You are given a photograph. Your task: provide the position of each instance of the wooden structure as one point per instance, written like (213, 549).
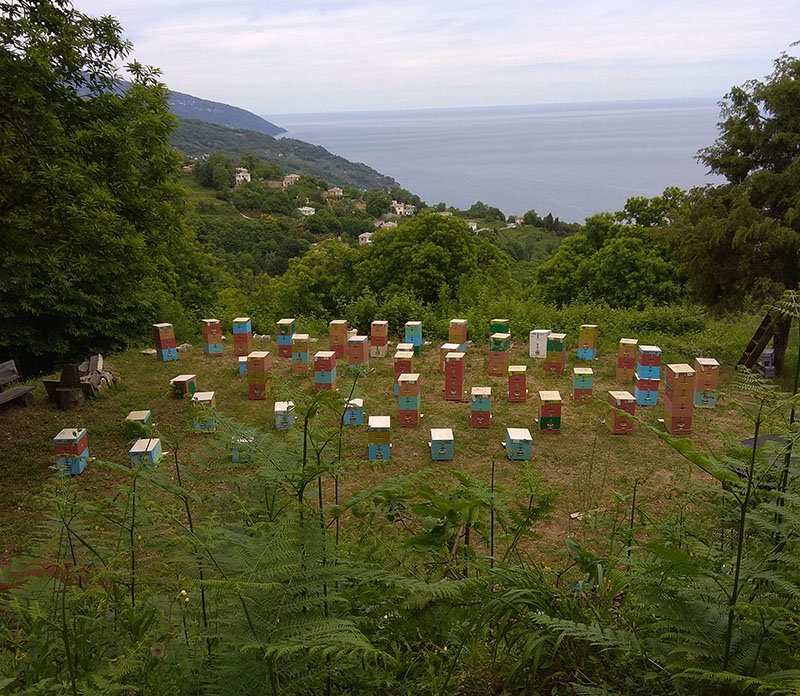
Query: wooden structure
(772, 328)
(10, 393)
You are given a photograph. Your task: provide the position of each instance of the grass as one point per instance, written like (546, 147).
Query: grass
(585, 464)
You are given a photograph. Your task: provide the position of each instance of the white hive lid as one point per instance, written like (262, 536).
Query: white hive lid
(300, 337)
(203, 397)
(404, 354)
(481, 391)
(582, 371)
(621, 396)
(500, 336)
(441, 433)
(408, 377)
(549, 396)
(629, 341)
(518, 434)
(138, 415)
(323, 354)
(413, 324)
(557, 336)
(449, 347)
(541, 331)
(182, 378)
(284, 406)
(380, 422)
(356, 403)
(69, 434)
(518, 369)
(241, 320)
(681, 369)
(649, 349)
(455, 355)
(707, 362)
(258, 354)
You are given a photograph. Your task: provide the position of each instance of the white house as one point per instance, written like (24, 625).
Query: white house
(334, 192)
(365, 238)
(307, 210)
(241, 176)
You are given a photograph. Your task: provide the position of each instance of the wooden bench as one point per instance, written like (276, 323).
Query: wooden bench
(8, 393)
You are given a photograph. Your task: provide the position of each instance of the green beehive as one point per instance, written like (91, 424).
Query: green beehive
(138, 424)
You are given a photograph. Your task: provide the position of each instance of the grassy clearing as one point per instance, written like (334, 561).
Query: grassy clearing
(585, 464)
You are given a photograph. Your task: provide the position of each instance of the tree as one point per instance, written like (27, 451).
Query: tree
(95, 244)
(746, 234)
(429, 252)
(215, 171)
(378, 202)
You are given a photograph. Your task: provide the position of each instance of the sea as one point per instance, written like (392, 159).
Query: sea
(571, 160)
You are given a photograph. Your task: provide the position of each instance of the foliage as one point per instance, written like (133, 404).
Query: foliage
(378, 202)
(95, 241)
(621, 265)
(751, 226)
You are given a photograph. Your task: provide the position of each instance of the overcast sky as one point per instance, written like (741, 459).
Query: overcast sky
(290, 56)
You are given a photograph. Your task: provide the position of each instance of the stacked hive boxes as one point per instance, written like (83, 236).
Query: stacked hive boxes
(324, 370)
(444, 350)
(212, 336)
(378, 438)
(337, 337)
(413, 335)
(286, 328)
(556, 358)
(679, 398)
(242, 336)
(378, 339)
(518, 444)
(300, 342)
(164, 337)
(183, 386)
(72, 450)
(499, 352)
(408, 399)
(403, 362)
(442, 444)
(454, 376)
(537, 343)
(358, 353)
(582, 378)
(587, 342)
(550, 412)
(146, 451)
(648, 374)
(284, 415)
(354, 412)
(480, 415)
(138, 424)
(624, 403)
(517, 384)
(259, 363)
(626, 359)
(706, 382)
(457, 333)
(405, 347)
(205, 421)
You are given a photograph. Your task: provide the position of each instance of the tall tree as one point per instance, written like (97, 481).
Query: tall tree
(742, 240)
(94, 239)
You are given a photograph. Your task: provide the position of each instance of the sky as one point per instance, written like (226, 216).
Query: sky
(310, 56)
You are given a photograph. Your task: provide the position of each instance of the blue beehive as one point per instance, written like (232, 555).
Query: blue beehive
(325, 376)
(242, 450)
(408, 403)
(167, 354)
(145, 451)
(706, 399)
(242, 325)
(284, 415)
(645, 397)
(518, 444)
(442, 444)
(212, 348)
(354, 412)
(582, 377)
(587, 353)
(242, 366)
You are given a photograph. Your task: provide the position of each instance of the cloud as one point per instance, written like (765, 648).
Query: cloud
(368, 54)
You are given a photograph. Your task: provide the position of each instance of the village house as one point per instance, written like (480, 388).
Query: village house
(306, 210)
(241, 176)
(290, 179)
(334, 192)
(403, 209)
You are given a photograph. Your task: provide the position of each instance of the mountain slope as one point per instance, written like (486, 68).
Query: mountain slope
(190, 107)
(198, 138)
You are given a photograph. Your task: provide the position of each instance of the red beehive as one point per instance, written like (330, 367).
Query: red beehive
(624, 405)
(517, 384)
(454, 376)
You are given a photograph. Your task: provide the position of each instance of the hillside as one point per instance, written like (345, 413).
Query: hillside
(197, 138)
(186, 106)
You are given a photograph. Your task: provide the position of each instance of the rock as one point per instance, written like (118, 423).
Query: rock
(183, 347)
(148, 351)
